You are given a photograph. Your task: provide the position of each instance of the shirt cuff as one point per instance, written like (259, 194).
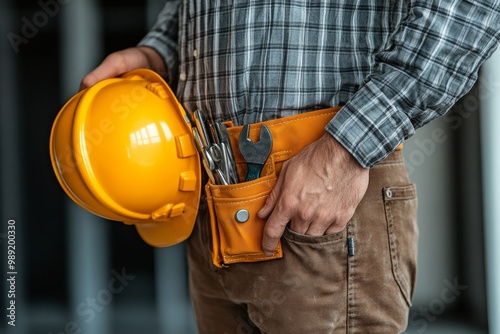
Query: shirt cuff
(369, 126)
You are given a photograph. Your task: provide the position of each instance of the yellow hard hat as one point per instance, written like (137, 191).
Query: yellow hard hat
(123, 150)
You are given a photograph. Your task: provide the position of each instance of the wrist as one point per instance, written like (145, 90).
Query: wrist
(154, 59)
(337, 151)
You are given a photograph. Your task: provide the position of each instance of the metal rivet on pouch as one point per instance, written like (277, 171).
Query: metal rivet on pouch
(388, 193)
(241, 216)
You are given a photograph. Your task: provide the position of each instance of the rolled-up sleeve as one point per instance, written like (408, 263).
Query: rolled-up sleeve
(163, 36)
(429, 63)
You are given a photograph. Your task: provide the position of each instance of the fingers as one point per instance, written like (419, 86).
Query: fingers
(97, 75)
(273, 230)
(112, 66)
(275, 225)
(268, 207)
(335, 228)
(120, 62)
(317, 193)
(301, 220)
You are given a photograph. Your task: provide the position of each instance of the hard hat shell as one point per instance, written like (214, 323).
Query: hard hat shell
(123, 150)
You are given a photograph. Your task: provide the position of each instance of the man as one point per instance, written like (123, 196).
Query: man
(343, 206)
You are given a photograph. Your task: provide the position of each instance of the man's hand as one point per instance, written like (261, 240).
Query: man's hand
(317, 192)
(123, 61)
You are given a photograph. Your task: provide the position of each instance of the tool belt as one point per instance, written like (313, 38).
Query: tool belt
(236, 230)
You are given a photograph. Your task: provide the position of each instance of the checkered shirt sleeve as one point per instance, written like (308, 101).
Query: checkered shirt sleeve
(393, 65)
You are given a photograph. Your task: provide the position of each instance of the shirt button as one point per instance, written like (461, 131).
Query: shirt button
(183, 76)
(195, 53)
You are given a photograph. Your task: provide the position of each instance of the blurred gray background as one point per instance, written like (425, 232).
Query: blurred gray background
(77, 273)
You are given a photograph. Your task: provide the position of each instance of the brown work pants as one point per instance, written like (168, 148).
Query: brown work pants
(325, 284)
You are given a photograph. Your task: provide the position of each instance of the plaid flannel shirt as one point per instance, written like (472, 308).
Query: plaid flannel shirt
(394, 65)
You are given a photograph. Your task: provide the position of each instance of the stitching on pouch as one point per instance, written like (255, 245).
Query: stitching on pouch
(220, 190)
(253, 256)
(235, 259)
(280, 154)
(285, 121)
(238, 202)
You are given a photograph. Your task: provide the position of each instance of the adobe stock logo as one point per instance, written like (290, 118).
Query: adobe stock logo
(30, 28)
(90, 308)
(420, 318)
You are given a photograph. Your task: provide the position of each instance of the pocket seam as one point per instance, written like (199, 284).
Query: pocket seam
(294, 237)
(405, 193)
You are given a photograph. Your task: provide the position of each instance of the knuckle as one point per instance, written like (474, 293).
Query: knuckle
(88, 80)
(348, 215)
(119, 61)
(325, 214)
(343, 219)
(272, 233)
(115, 57)
(288, 204)
(304, 214)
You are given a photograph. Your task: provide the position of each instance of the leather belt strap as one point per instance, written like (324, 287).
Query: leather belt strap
(290, 134)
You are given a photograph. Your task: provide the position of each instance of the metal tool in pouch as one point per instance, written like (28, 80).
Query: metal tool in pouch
(212, 141)
(214, 146)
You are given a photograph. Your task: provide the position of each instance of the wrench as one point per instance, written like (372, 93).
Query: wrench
(255, 153)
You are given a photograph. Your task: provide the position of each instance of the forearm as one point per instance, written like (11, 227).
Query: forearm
(163, 36)
(431, 61)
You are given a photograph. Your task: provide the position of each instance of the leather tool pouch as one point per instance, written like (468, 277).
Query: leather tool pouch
(236, 229)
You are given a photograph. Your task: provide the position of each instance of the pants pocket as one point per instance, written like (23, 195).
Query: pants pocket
(236, 230)
(400, 205)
